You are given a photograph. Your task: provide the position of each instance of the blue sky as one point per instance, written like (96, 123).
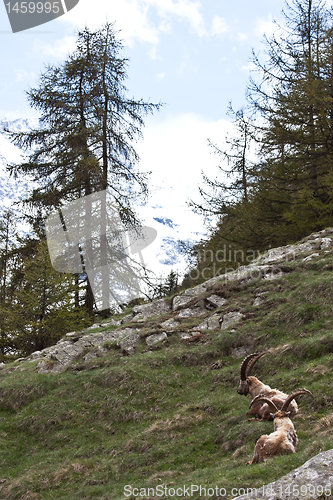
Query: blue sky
(192, 55)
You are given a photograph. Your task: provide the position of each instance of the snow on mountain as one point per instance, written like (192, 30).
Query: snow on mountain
(164, 211)
(11, 189)
(165, 221)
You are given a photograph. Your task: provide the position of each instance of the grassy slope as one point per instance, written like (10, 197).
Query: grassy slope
(173, 416)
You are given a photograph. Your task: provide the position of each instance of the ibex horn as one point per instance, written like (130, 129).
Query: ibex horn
(265, 400)
(292, 396)
(246, 367)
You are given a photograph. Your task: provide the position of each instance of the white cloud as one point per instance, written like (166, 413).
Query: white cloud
(185, 9)
(242, 37)
(250, 66)
(21, 75)
(175, 150)
(132, 17)
(219, 26)
(265, 26)
(61, 48)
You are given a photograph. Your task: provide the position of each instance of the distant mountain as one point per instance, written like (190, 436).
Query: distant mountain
(165, 221)
(162, 256)
(11, 189)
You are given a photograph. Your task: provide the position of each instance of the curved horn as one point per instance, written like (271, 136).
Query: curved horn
(292, 396)
(246, 367)
(265, 400)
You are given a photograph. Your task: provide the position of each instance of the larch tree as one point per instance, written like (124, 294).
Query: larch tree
(88, 127)
(293, 98)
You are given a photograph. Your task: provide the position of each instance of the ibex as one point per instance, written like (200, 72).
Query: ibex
(251, 385)
(284, 438)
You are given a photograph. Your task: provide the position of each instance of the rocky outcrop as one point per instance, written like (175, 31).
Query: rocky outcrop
(313, 480)
(230, 319)
(158, 307)
(206, 310)
(56, 358)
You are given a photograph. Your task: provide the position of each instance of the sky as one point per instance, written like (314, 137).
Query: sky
(192, 55)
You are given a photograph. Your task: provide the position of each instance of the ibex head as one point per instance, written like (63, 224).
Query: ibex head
(245, 370)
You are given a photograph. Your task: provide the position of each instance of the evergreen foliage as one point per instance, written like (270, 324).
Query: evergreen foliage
(286, 193)
(85, 144)
(88, 125)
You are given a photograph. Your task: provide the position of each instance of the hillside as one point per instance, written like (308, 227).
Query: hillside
(149, 398)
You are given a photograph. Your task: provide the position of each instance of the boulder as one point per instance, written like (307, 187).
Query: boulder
(126, 319)
(326, 243)
(186, 297)
(156, 338)
(186, 335)
(66, 351)
(310, 257)
(258, 301)
(216, 301)
(111, 322)
(230, 319)
(312, 480)
(152, 309)
(169, 324)
(211, 323)
(191, 312)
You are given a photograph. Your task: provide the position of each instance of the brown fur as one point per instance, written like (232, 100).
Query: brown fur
(259, 409)
(282, 440)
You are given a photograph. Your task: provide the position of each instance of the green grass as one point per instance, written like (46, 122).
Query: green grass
(171, 416)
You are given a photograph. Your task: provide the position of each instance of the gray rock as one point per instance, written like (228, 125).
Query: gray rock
(128, 340)
(126, 319)
(186, 297)
(90, 355)
(211, 323)
(289, 252)
(154, 308)
(73, 336)
(230, 319)
(95, 325)
(156, 338)
(111, 322)
(310, 257)
(187, 335)
(307, 482)
(35, 355)
(169, 324)
(66, 352)
(191, 313)
(216, 300)
(326, 243)
(258, 301)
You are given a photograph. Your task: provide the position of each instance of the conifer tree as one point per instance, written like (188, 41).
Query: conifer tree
(88, 124)
(290, 190)
(42, 305)
(88, 127)
(237, 172)
(293, 99)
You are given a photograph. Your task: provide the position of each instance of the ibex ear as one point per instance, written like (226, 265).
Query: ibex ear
(288, 413)
(249, 381)
(272, 415)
